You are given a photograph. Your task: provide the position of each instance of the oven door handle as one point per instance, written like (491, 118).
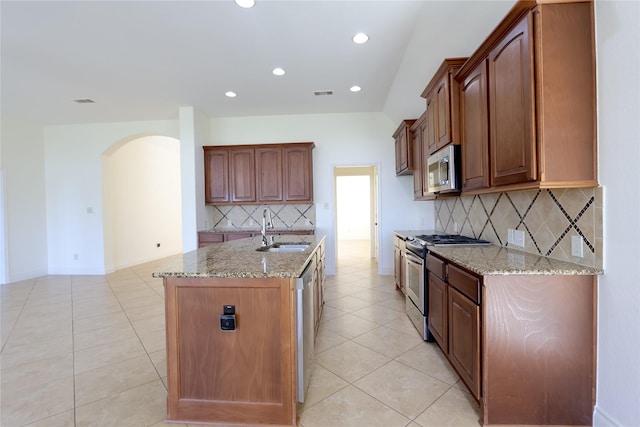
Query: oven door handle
(414, 259)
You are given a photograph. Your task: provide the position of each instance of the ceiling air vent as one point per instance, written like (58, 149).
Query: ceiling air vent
(323, 92)
(84, 101)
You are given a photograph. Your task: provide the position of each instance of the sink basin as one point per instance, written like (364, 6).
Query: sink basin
(284, 247)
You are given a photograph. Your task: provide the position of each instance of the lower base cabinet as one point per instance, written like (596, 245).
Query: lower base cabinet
(524, 345)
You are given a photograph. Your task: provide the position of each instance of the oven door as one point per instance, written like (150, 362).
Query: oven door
(414, 279)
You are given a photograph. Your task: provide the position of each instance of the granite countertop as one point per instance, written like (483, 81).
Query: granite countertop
(239, 258)
(256, 229)
(498, 260)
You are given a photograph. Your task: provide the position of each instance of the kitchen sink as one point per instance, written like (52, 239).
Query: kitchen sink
(284, 247)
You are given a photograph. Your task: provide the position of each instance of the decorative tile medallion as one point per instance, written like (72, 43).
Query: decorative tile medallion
(548, 218)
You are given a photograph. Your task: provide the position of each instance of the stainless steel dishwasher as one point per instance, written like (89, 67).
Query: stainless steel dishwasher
(304, 329)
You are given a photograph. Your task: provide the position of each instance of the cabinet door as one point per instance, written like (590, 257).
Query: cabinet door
(242, 178)
(298, 174)
(511, 106)
(397, 274)
(443, 113)
(431, 128)
(216, 176)
(475, 129)
(269, 174)
(419, 164)
(464, 339)
(438, 311)
(402, 154)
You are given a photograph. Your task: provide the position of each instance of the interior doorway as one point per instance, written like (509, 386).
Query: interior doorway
(356, 212)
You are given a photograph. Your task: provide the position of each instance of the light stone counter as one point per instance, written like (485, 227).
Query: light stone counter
(498, 260)
(239, 258)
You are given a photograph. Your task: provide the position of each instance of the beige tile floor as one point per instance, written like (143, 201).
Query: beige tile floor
(90, 351)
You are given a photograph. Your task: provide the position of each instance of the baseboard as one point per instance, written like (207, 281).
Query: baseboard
(601, 419)
(12, 278)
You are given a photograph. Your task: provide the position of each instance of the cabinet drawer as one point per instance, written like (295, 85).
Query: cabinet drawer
(436, 266)
(211, 237)
(464, 282)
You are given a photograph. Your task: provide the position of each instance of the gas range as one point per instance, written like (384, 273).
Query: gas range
(419, 244)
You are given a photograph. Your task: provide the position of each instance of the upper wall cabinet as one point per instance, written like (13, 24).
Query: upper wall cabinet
(442, 113)
(269, 173)
(405, 161)
(528, 104)
(298, 173)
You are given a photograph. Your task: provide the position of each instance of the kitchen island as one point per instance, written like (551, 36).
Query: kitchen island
(231, 330)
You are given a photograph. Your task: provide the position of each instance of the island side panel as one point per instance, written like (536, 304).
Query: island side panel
(245, 376)
(539, 339)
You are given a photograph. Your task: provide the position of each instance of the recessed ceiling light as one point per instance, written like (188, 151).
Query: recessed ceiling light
(84, 101)
(278, 71)
(231, 94)
(355, 88)
(360, 38)
(245, 3)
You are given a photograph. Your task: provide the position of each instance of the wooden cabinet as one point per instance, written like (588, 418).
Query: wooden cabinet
(540, 97)
(404, 153)
(208, 238)
(319, 286)
(524, 345)
(242, 175)
(438, 311)
(398, 263)
(216, 175)
(464, 326)
(511, 106)
(269, 174)
(243, 376)
(454, 318)
(474, 129)
(442, 112)
(419, 160)
(250, 174)
(298, 173)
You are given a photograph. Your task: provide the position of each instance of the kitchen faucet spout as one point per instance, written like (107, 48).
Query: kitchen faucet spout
(267, 224)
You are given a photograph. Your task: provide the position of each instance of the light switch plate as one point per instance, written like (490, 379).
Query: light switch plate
(510, 238)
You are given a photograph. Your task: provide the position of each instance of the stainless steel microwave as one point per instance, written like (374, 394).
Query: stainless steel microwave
(444, 170)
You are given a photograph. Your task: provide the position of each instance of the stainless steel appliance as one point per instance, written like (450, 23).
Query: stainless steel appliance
(304, 330)
(416, 275)
(443, 168)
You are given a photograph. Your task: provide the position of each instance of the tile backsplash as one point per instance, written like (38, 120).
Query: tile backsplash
(548, 217)
(241, 217)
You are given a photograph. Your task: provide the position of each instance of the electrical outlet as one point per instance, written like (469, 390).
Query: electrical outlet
(577, 247)
(250, 221)
(229, 223)
(518, 238)
(455, 226)
(307, 221)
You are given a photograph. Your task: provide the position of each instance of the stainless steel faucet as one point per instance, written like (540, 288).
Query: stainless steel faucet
(267, 224)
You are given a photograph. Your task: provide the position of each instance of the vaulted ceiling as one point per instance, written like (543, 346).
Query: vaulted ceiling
(142, 60)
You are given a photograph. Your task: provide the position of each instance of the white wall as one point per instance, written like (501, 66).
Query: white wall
(74, 210)
(22, 164)
(618, 373)
(141, 181)
(357, 139)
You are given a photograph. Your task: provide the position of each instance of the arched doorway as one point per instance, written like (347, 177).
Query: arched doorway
(141, 201)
